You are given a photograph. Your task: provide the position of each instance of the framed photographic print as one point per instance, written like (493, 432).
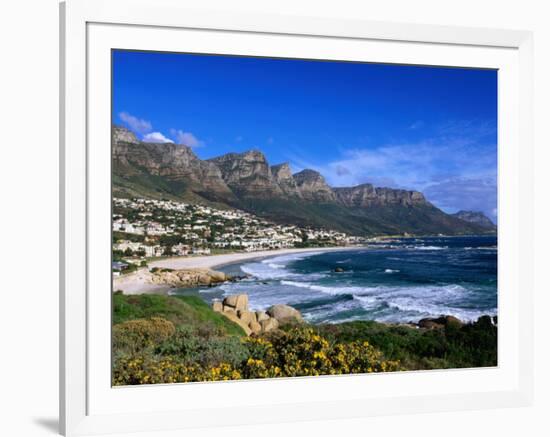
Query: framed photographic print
(293, 217)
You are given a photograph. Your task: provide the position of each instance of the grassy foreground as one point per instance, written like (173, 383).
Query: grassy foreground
(165, 339)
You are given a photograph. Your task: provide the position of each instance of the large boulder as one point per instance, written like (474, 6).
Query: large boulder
(269, 324)
(217, 306)
(216, 276)
(261, 315)
(284, 313)
(440, 322)
(227, 309)
(255, 327)
(453, 321)
(233, 317)
(247, 316)
(237, 301)
(204, 279)
(430, 324)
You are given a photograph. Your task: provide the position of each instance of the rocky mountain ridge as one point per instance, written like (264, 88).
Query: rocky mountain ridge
(247, 181)
(476, 217)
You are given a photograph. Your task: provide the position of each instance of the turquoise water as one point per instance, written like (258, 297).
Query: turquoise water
(399, 281)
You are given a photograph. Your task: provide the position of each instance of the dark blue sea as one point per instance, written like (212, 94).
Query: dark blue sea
(401, 280)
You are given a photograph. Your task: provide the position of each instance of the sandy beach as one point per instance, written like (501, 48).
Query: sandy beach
(212, 261)
(139, 282)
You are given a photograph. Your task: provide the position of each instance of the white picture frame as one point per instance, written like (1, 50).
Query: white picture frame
(90, 29)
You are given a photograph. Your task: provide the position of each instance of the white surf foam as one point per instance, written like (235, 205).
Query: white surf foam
(430, 247)
(276, 268)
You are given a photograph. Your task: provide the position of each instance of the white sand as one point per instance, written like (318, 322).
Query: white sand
(212, 261)
(139, 282)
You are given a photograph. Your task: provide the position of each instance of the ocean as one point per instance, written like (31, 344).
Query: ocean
(397, 281)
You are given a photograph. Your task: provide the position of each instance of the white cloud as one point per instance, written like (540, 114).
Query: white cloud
(185, 138)
(156, 137)
(464, 194)
(456, 169)
(416, 125)
(138, 125)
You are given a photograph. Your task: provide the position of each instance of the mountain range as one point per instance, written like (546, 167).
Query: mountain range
(476, 217)
(248, 182)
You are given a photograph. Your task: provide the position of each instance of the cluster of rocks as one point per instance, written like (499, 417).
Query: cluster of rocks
(445, 321)
(235, 308)
(188, 277)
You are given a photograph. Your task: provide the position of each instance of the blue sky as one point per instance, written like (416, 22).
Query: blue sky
(425, 128)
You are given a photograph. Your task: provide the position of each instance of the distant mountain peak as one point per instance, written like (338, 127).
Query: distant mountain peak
(247, 154)
(476, 217)
(282, 174)
(123, 134)
(313, 186)
(366, 195)
(283, 166)
(308, 173)
(248, 173)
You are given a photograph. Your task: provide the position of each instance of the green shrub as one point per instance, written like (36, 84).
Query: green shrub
(135, 335)
(471, 345)
(189, 347)
(189, 311)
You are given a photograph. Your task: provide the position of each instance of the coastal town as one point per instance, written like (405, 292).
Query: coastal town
(147, 229)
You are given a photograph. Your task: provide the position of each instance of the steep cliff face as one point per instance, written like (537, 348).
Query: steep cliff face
(174, 163)
(283, 177)
(476, 217)
(123, 135)
(247, 174)
(313, 186)
(366, 195)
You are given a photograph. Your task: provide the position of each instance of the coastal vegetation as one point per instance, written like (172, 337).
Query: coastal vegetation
(164, 339)
(452, 346)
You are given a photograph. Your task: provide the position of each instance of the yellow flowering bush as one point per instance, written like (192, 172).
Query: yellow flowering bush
(303, 352)
(154, 370)
(299, 351)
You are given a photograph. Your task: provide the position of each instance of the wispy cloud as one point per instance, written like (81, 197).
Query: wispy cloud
(416, 125)
(145, 129)
(186, 138)
(156, 137)
(138, 125)
(456, 167)
(462, 193)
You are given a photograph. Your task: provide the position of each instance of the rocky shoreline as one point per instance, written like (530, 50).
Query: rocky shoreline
(235, 308)
(198, 271)
(161, 280)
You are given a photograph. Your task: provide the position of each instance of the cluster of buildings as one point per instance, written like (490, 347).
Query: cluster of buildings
(153, 228)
